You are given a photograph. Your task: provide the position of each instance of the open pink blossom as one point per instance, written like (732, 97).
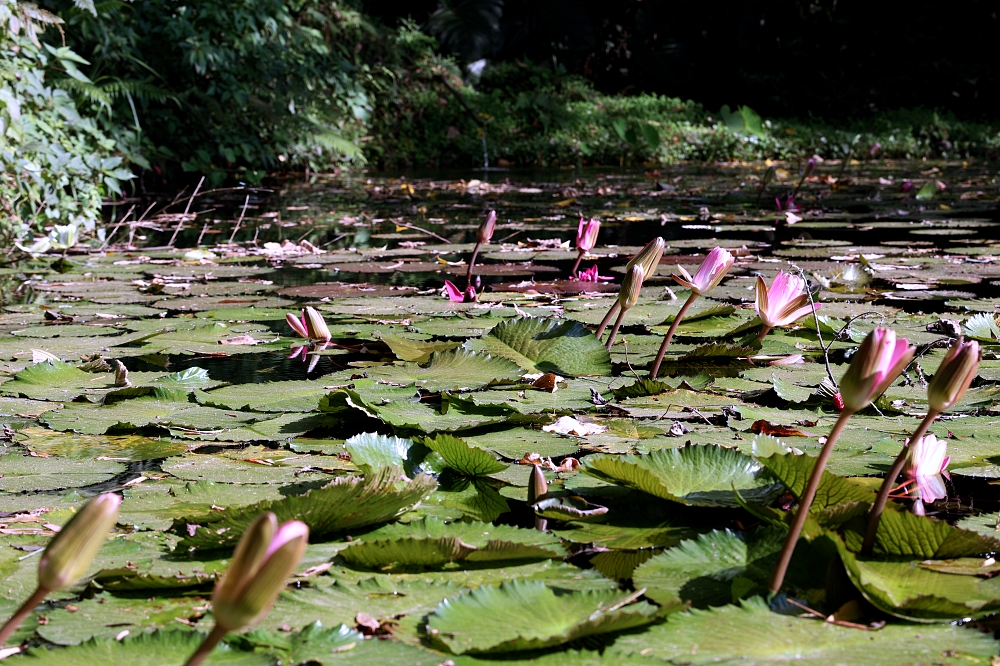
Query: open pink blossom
(875, 365)
(784, 302)
(926, 461)
(455, 295)
(586, 234)
(710, 273)
(591, 275)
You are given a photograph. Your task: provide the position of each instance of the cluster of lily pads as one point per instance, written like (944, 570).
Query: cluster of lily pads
(498, 477)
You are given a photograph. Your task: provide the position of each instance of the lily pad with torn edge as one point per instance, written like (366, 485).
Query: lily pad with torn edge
(345, 503)
(566, 348)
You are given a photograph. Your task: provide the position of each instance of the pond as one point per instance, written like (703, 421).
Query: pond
(412, 437)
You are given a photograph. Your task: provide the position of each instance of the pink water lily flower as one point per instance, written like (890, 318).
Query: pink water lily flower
(926, 461)
(455, 295)
(586, 234)
(788, 204)
(876, 364)
(784, 303)
(710, 273)
(591, 275)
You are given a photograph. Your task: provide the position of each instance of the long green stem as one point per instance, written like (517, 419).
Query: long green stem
(670, 334)
(763, 333)
(24, 611)
(614, 329)
(607, 319)
(207, 645)
(576, 264)
(472, 264)
(875, 512)
(778, 577)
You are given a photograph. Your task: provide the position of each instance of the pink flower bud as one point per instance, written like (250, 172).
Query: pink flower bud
(586, 234)
(784, 303)
(631, 287)
(648, 257)
(69, 554)
(263, 560)
(486, 229)
(316, 328)
(456, 295)
(876, 364)
(954, 375)
(710, 273)
(298, 325)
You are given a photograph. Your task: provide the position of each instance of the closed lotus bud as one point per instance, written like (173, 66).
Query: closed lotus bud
(316, 327)
(263, 560)
(538, 487)
(486, 229)
(810, 167)
(954, 375)
(298, 324)
(69, 554)
(875, 365)
(628, 295)
(586, 234)
(648, 257)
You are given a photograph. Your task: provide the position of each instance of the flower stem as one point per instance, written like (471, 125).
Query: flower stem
(875, 512)
(576, 264)
(207, 645)
(614, 329)
(805, 501)
(472, 264)
(607, 319)
(24, 611)
(763, 333)
(670, 334)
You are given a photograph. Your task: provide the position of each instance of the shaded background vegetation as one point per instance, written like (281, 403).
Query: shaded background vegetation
(146, 95)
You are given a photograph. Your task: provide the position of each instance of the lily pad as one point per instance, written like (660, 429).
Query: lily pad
(565, 348)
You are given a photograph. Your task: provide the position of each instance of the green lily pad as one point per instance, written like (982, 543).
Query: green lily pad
(693, 475)
(565, 348)
(465, 459)
(142, 649)
(530, 615)
(450, 370)
(28, 473)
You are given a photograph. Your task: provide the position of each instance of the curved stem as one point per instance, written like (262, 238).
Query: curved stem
(472, 264)
(207, 645)
(24, 611)
(875, 512)
(670, 334)
(607, 319)
(763, 333)
(614, 329)
(576, 264)
(778, 577)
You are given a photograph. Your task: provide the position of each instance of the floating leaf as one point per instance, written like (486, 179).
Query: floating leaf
(529, 616)
(345, 503)
(463, 458)
(417, 351)
(142, 649)
(565, 348)
(695, 475)
(450, 370)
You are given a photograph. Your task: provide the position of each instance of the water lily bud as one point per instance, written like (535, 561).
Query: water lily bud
(298, 325)
(810, 167)
(69, 554)
(316, 326)
(785, 302)
(954, 375)
(485, 232)
(628, 295)
(538, 487)
(648, 257)
(875, 365)
(263, 560)
(710, 273)
(586, 234)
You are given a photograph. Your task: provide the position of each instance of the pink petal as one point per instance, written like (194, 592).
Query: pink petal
(455, 294)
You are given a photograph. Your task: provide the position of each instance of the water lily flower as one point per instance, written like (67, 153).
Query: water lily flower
(715, 267)
(906, 185)
(710, 273)
(648, 258)
(788, 205)
(586, 238)
(875, 365)
(591, 275)
(69, 554)
(263, 560)
(455, 295)
(628, 296)
(926, 461)
(311, 326)
(954, 375)
(784, 303)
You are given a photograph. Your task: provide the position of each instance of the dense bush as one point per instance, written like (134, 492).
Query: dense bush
(57, 164)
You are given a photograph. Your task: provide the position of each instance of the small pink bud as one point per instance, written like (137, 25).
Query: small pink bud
(298, 325)
(875, 365)
(486, 229)
(954, 375)
(710, 273)
(586, 234)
